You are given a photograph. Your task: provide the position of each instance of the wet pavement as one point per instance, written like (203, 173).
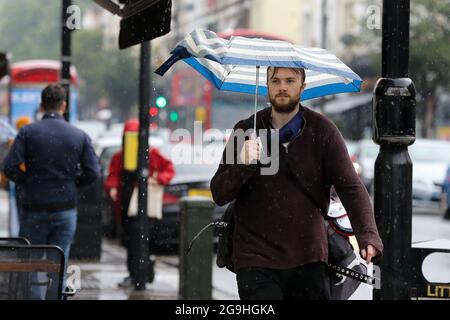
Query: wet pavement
(99, 280)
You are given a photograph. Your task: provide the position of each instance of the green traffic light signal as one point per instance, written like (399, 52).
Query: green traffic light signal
(161, 102)
(173, 116)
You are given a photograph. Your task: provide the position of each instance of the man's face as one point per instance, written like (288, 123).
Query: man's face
(284, 87)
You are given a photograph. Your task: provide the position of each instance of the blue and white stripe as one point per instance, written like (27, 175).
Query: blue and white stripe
(230, 64)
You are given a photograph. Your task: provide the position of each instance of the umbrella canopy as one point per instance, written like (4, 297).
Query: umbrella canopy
(230, 64)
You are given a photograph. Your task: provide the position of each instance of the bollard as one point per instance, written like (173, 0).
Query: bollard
(195, 269)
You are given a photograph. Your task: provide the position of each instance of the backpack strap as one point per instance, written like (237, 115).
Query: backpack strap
(307, 194)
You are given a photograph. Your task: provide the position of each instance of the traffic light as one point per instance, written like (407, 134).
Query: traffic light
(161, 102)
(153, 111)
(173, 116)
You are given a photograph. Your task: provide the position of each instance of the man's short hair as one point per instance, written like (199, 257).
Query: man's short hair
(299, 71)
(52, 97)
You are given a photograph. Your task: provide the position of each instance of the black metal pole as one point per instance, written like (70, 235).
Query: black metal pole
(324, 24)
(143, 165)
(324, 42)
(394, 130)
(395, 39)
(66, 54)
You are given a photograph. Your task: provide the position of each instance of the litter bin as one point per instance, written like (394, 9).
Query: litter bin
(87, 244)
(195, 268)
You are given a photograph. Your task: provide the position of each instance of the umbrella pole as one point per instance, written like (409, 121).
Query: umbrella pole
(256, 99)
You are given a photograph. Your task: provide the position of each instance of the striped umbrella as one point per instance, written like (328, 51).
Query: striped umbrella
(240, 64)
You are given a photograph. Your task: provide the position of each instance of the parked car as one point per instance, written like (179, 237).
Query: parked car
(431, 159)
(364, 155)
(445, 198)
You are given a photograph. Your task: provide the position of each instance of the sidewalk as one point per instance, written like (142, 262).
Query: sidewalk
(99, 279)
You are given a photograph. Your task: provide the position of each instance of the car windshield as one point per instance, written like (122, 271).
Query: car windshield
(107, 154)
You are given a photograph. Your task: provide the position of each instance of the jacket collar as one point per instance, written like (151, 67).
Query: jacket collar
(264, 116)
(53, 115)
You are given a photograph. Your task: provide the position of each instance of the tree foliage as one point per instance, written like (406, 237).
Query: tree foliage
(430, 43)
(106, 73)
(429, 54)
(31, 29)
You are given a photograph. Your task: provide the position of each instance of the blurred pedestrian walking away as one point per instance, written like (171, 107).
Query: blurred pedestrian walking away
(50, 159)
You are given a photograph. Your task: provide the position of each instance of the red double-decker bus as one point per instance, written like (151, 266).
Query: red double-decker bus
(20, 92)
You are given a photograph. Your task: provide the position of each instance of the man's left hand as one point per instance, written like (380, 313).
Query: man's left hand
(368, 253)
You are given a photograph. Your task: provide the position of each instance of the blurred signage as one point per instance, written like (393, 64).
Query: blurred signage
(441, 291)
(26, 101)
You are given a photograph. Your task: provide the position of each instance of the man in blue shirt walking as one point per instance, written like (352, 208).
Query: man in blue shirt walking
(51, 159)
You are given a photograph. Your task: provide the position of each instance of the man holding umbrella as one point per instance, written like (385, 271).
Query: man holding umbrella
(280, 243)
(280, 246)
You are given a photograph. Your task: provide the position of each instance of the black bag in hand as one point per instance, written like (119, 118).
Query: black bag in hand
(225, 242)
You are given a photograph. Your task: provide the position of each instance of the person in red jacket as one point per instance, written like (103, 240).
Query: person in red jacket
(120, 184)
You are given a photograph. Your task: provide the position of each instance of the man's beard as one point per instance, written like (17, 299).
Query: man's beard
(287, 107)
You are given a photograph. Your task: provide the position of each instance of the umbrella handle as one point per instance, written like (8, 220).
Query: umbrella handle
(256, 98)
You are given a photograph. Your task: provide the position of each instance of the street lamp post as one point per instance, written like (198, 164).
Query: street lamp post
(394, 130)
(66, 54)
(142, 260)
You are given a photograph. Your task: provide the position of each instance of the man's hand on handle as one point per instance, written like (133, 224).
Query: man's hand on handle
(369, 253)
(251, 152)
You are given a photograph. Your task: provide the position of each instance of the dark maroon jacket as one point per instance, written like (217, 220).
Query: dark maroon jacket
(276, 224)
